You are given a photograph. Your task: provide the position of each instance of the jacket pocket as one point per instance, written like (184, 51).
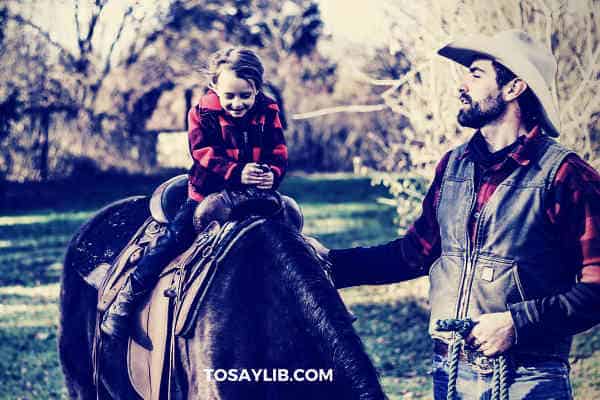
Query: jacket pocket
(518, 281)
(496, 284)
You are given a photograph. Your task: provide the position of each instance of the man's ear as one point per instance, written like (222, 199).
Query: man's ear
(514, 89)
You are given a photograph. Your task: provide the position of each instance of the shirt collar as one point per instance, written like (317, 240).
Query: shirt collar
(522, 153)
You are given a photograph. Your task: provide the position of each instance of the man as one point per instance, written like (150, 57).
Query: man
(510, 229)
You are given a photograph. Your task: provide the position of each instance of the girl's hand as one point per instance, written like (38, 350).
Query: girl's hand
(252, 174)
(267, 180)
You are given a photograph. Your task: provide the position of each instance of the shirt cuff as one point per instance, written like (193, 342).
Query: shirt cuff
(340, 267)
(525, 318)
(235, 178)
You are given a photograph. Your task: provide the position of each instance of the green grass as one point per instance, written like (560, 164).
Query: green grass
(339, 209)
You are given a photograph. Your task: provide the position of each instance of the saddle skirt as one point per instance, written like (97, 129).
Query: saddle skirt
(171, 309)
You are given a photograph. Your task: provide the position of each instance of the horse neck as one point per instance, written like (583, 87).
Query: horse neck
(271, 306)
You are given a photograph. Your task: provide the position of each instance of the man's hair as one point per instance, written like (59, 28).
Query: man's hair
(244, 62)
(531, 109)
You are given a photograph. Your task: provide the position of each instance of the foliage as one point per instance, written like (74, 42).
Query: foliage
(90, 96)
(426, 94)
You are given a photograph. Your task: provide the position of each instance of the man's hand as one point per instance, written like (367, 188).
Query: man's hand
(493, 334)
(321, 250)
(256, 174)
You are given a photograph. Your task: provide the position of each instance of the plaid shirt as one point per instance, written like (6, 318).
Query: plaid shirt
(221, 145)
(573, 207)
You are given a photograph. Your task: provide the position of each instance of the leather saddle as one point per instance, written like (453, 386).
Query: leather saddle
(172, 307)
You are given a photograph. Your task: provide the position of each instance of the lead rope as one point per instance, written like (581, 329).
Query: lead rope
(463, 327)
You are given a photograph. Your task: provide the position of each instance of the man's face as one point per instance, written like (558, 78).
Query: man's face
(236, 95)
(480, 96)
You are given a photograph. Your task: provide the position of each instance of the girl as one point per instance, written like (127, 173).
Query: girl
(236, 140)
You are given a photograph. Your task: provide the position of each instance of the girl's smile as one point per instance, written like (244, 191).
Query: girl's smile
(236, 95)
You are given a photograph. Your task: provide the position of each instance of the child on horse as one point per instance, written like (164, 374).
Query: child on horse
(236, 140)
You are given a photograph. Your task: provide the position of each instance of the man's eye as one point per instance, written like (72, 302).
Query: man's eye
(229, 96)
(245, 95)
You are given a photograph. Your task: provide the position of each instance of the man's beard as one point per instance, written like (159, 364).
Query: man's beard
(475, 117)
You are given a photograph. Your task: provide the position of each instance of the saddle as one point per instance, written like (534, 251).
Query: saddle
(172, 307)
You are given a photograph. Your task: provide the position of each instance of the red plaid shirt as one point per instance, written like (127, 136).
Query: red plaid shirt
(221, 145)
(574, 206)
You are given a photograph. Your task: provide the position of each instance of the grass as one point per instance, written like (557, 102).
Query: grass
(339, 209)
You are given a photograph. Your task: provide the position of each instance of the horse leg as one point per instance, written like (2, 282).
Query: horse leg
(76, 330)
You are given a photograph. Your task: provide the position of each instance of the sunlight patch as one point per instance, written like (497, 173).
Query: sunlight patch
(47, 291)
(314, 210)
(28, 315)
(42, 218)
(331, 225)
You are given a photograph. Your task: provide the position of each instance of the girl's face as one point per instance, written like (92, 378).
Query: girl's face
(236, 95)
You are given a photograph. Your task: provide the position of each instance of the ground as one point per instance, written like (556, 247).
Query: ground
(38, 220)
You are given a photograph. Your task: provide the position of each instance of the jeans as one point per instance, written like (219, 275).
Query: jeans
(528, 380)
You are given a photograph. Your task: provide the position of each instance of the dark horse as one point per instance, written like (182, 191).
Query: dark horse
(269, 307)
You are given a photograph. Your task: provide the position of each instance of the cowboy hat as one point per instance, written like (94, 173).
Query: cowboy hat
(525, 57)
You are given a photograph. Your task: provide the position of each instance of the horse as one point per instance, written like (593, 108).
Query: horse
(270, 310)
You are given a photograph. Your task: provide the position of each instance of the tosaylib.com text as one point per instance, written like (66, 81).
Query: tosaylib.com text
(269, 375)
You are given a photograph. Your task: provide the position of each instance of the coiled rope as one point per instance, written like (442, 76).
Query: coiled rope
(500, 374)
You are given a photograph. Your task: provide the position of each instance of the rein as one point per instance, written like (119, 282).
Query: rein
(500, 365)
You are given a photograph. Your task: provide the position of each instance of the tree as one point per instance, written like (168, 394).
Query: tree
(426, 95)
(113, 72)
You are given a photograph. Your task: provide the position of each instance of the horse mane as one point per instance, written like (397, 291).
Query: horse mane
(290, 266)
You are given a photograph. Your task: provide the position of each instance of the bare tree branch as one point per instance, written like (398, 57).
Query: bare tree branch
(46, 35)
(77, 24)
(85, 45)
(339, 109)
(107, 64)
(116, 40)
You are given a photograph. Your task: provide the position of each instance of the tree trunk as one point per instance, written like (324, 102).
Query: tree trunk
(188, 105)
(44, 143)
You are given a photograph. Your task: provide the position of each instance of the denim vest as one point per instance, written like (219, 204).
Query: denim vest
(516, 252)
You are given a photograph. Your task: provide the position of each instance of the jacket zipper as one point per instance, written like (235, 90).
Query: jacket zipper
(471, 253)
(472, 258)
(247, 151)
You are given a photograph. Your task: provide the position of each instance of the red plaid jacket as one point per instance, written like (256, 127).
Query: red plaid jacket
(221, 145)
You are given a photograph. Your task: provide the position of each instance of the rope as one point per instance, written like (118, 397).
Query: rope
(499, 379)
(453, 374)
(463, 328)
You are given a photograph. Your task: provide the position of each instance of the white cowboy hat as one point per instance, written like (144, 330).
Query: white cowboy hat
(525, 57)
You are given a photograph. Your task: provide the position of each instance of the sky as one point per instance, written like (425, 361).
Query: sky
(358, 21)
